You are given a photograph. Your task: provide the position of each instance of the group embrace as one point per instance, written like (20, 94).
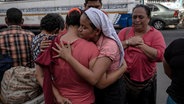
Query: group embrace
(83, 60)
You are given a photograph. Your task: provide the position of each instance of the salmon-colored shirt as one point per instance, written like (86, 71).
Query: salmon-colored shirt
(65, 79)
(139, 65)
(109, 48)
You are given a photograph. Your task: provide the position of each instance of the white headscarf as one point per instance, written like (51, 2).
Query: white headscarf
(102, 22)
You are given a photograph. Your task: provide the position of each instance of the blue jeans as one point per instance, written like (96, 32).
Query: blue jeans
(170, 100)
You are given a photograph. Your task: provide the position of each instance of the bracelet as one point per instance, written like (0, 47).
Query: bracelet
(127, 42)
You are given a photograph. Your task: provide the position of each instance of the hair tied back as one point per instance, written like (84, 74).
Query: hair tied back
(74, 9)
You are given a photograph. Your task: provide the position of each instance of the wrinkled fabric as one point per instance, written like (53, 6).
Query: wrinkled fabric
(44, 59)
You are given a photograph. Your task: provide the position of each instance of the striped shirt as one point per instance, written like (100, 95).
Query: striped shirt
(16, 42)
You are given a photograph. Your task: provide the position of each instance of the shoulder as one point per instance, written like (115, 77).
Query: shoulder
(123, 31)
(109, 42)
(38, 37)
(86, 43)
(28, 32)
(109, 45)
(154, 34)
(177, 43)
(3, 32)
(155, 31)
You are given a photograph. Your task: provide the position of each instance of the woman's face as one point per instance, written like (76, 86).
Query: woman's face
(140, 19)
(85, 29)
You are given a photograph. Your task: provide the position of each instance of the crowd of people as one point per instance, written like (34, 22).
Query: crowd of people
(82, 60)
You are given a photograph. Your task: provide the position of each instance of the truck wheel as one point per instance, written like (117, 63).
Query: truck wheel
(159, 25)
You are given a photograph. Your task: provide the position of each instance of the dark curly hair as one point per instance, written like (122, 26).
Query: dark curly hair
(51, 22)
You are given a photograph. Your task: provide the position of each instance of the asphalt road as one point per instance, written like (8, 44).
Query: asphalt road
(162, 80)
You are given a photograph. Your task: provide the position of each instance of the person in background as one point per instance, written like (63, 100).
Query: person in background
(93, 3)
(50, 25)
(105, 75)
(69, 84)
(144, 46)
(173, 66)
(15, 41)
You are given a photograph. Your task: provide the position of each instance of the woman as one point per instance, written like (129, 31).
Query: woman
(71, 87)
(144, 46)
(95, 26)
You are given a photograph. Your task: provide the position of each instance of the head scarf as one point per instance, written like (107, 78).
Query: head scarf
(102, 22)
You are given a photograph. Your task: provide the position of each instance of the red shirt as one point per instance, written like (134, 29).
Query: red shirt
(139, 65)
(66, 80)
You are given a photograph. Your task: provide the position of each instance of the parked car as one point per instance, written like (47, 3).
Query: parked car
(162, 16)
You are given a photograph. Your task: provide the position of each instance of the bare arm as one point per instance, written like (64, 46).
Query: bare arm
(98, 68)
(108, 79)
(39, 76)
(138, 42)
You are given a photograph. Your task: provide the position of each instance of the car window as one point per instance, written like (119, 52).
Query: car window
(153, 7)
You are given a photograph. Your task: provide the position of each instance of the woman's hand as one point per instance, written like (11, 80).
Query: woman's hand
(44, 44)
(135, 41)
(64, 51)
(62, 100)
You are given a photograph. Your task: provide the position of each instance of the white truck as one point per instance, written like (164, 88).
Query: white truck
(119, 11)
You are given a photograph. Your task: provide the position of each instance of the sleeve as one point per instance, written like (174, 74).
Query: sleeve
(109, 49)
(35, 47)
(159, 44)
(94, 51)
(45, 58)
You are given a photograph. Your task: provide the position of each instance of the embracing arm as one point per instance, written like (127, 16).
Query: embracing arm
(98, 68)
(108, 79)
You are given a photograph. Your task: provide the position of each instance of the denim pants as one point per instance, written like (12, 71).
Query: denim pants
(170, 100)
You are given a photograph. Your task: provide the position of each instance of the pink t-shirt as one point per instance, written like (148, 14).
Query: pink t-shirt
(109, 48)
(69, 83)
(139, 65)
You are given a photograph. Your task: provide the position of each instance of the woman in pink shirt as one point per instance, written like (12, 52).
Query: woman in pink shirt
(144, 46)
(61, 84)
(105, 75)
